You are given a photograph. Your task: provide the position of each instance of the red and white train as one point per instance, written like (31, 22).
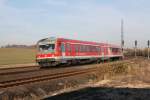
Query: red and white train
(54, 51)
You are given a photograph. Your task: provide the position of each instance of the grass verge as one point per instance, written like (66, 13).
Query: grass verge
(17, 56)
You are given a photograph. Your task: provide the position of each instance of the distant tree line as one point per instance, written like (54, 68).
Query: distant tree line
(139, 52)
(18, 46)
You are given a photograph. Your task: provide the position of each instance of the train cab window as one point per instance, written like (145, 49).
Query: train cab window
(47, 47)
(62, 47)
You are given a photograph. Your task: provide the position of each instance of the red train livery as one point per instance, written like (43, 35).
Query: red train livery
(53, 51)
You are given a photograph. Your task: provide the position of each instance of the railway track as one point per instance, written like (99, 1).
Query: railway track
(17, 70)
(23, 81)
(37, 78)
(10, 68)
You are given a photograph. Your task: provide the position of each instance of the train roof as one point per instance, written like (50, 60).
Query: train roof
(47, 39)
(79, 41)
(88, 42)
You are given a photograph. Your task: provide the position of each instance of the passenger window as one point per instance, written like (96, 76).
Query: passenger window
(97, 49)
(68, 47)
(83, 47)
(76, 48)
(102, 49)
(88, 48)
(80, 48)
(62, 47)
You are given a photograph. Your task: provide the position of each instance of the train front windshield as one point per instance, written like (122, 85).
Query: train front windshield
(47, 48)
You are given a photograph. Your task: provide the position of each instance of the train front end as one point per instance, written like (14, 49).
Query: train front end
(46, 55)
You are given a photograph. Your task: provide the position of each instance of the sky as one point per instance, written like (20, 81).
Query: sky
(27, 21)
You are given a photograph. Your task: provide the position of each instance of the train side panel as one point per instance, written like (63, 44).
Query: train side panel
(67, 50)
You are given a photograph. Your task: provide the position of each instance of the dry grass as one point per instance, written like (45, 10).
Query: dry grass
(16, 56)
(136, 67)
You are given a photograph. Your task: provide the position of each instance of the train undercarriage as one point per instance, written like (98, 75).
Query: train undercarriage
(51, 62)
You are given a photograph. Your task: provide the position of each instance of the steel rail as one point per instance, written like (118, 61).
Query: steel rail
(10, 71)
(17, 82)
(17, 70)
(18, 67)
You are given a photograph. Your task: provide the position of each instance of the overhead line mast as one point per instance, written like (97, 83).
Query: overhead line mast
(122, 34)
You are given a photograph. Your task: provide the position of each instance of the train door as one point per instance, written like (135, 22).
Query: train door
(68, 50)
(109, 51)
(63, 51)
(102, 51)
(105, 51)
(73, 50)
(76, 49)
(99, 50)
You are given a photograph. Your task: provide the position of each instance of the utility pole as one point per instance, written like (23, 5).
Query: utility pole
(122, 35)
(135, 48)
(148, 43)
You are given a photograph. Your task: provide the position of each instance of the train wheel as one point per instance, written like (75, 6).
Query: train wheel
(98, 61)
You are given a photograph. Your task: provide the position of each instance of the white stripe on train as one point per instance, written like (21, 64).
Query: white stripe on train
(80, 57)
